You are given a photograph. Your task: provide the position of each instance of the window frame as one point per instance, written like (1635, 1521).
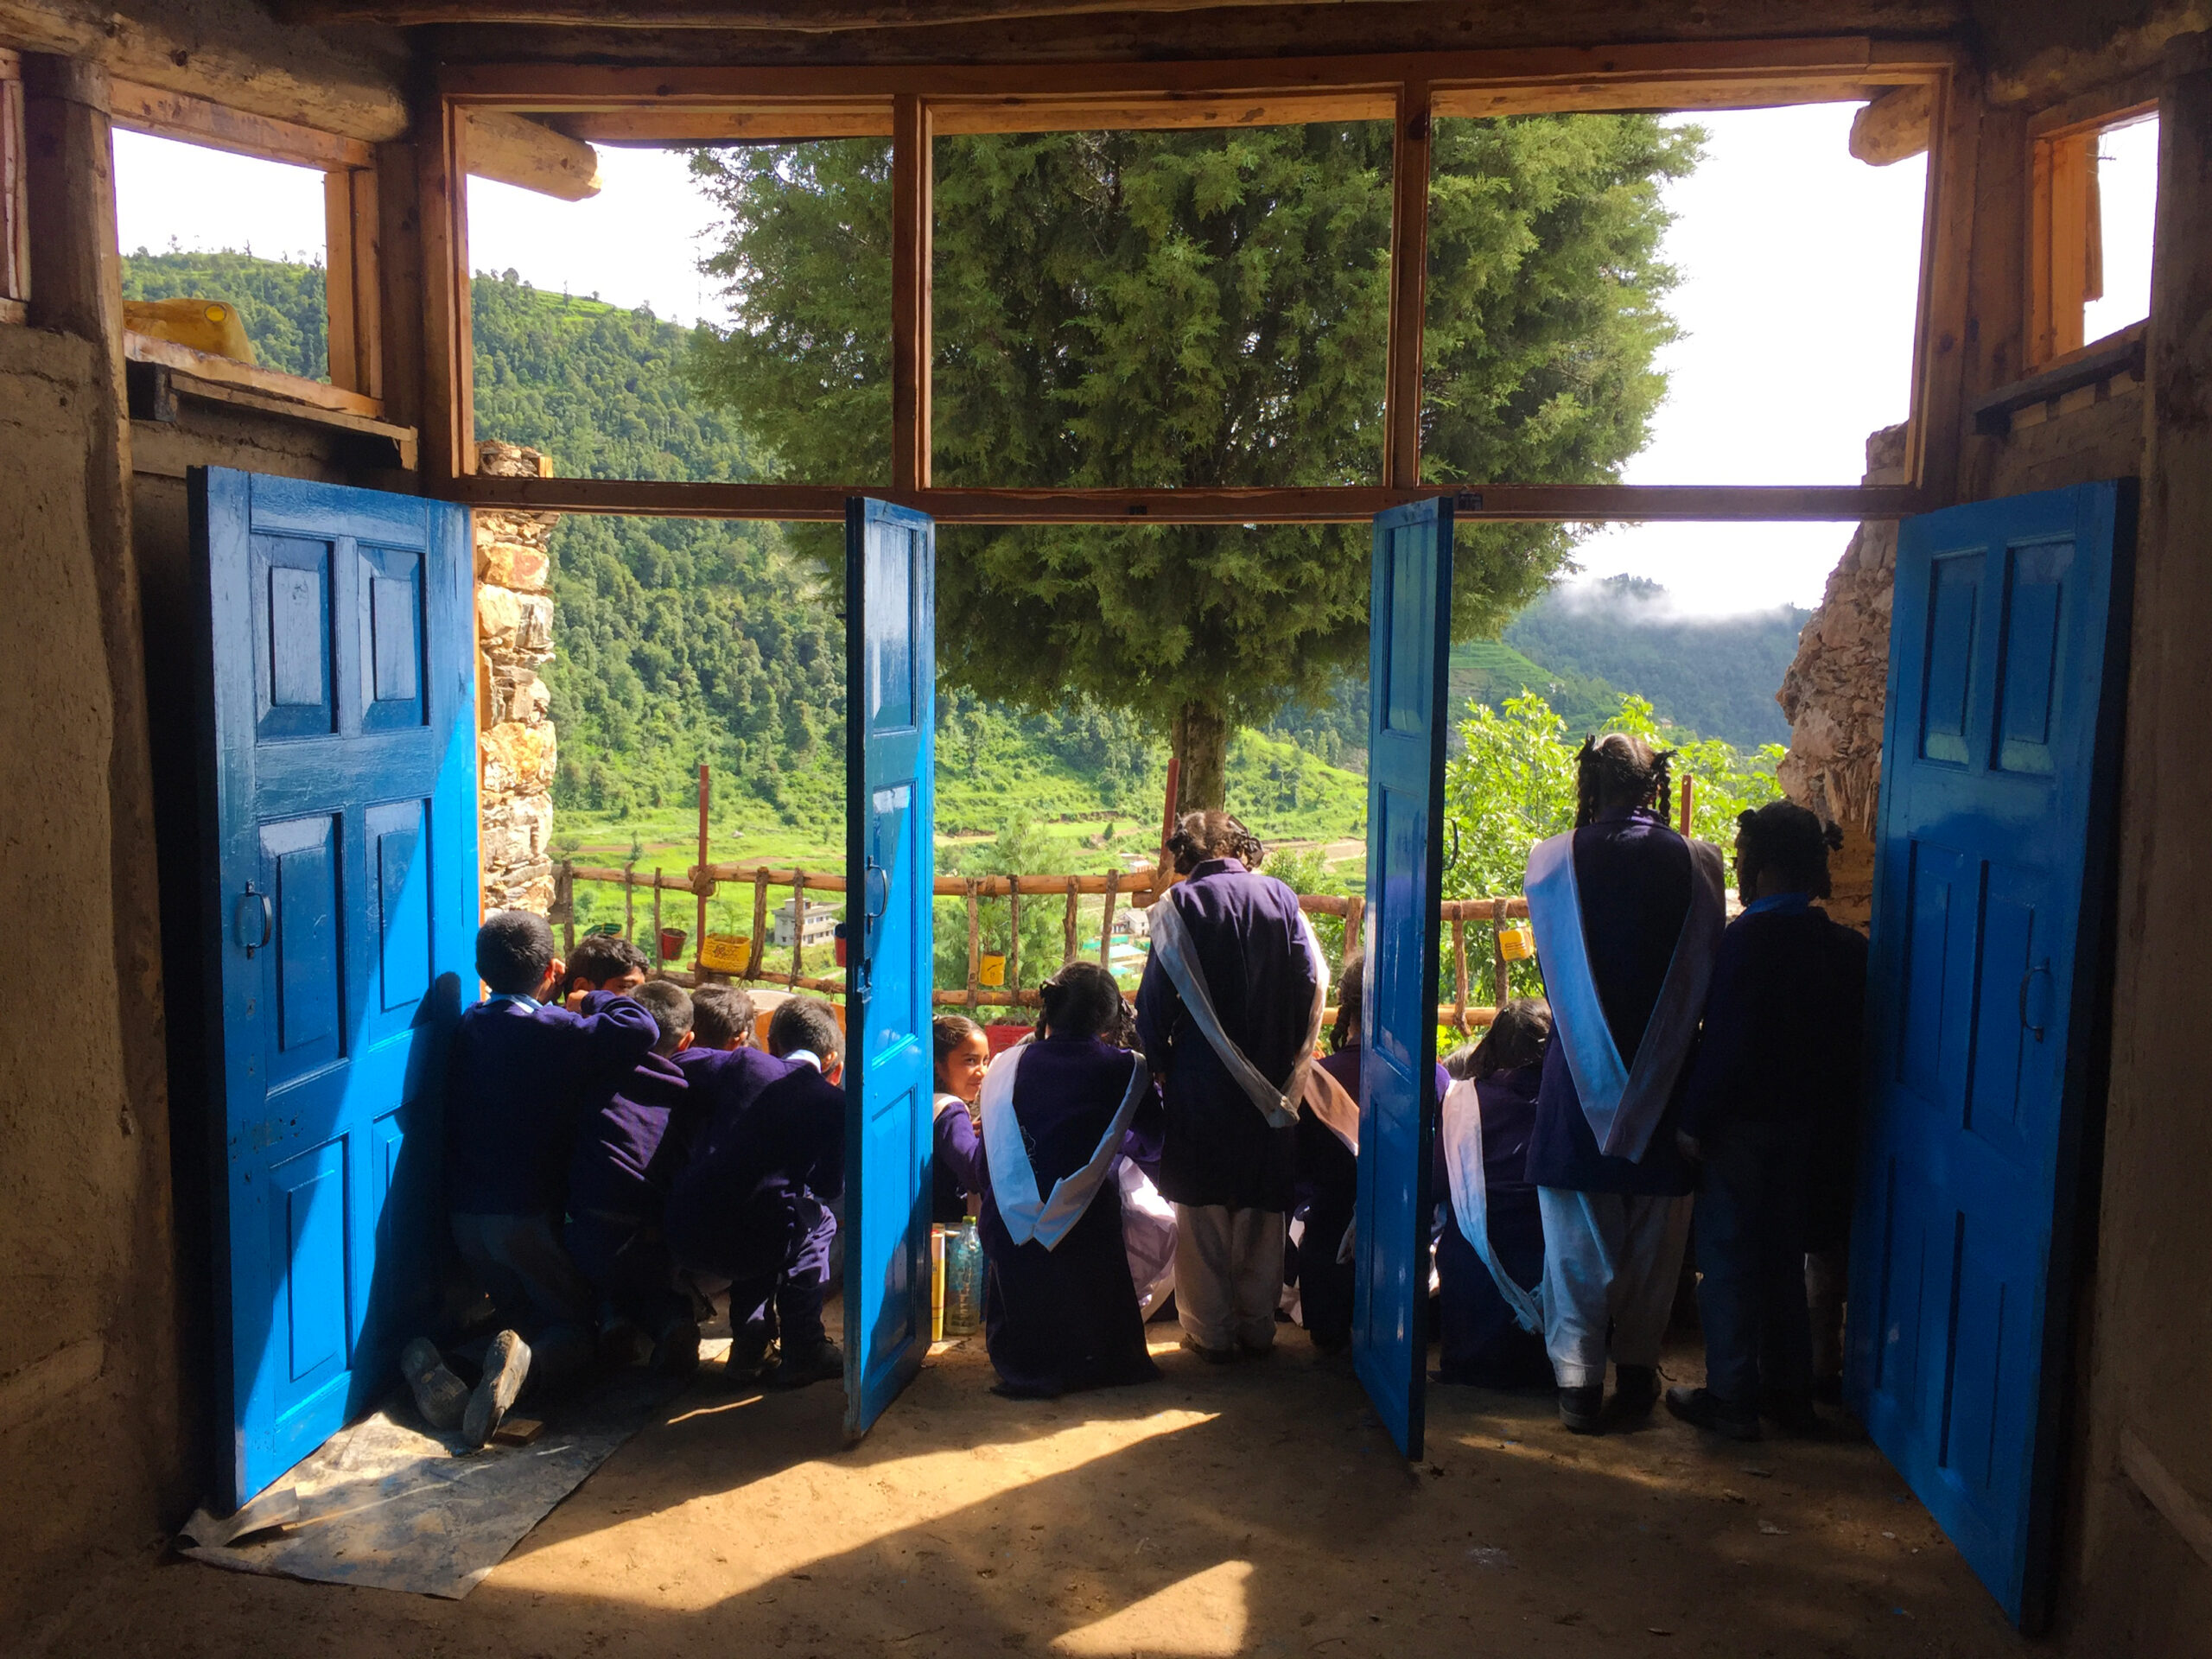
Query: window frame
(15, 238)
(2064, 226)
(912, 103)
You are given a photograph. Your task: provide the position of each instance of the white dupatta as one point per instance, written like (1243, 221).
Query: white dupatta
(1013, 1180)
(1623, 1106)
(1463, 1169)
(1172, 948)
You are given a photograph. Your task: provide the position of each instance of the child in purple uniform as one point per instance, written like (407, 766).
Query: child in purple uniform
(963, 1054)
(604, 962)
(631, 1141)
(517, 1072)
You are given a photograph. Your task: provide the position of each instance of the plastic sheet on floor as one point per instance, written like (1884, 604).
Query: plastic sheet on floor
(387, 1503)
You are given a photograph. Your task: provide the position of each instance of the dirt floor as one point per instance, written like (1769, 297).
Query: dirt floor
(1257, 1509)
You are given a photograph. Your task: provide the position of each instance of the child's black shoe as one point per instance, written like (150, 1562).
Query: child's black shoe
(507, 1364)
(823, 1363)
(1582, 1409)
(1702, 1408)
(439, 1395)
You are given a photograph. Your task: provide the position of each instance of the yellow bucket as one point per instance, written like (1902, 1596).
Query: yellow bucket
(725, 953)
(1517, 943)
(991, 972)
(208, 326)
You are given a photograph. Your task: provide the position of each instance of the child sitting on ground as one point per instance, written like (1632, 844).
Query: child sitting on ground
(604, 962)
(517, 1071)
(751, 1207)
(1767, 1118)
(632, 1138)
(722, 1018)
(963, 1054)
(1482, 1133)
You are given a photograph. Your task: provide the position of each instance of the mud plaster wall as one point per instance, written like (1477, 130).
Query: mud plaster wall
(88, 1423)
(515, 742)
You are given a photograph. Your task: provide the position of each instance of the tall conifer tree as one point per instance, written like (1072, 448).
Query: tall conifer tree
(1162, 309)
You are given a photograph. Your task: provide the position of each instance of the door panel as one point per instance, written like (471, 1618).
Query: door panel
(339, 914)
(1990, 939)
(891, 723)
(1409, 625)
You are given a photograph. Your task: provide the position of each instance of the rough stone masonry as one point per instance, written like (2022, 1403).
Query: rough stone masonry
(514, 634)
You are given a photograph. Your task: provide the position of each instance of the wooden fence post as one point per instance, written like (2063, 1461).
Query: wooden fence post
(700, 885)
(658, 959)
(1503, 968)
(1354, 912)
(1106, 921)
(1067, 928)
(760, 941)
(1013, 940)
(629, 904)
(975, 949)
(1459, 971)
(798, 925)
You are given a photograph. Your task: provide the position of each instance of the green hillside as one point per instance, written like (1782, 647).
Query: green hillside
(685, 640)
(1714, 675)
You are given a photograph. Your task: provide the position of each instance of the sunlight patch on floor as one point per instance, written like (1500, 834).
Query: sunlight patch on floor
(741, 1545)
(1205, 1612)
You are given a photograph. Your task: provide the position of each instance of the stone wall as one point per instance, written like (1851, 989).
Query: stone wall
(515, 745)
(1833, 692)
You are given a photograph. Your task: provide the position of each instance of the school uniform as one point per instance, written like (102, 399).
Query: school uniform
(1627, 915)
(1482, 1341)
(629, 1147)
(1228, 1165)
(1328, 1193)
(1061, 1307)
(750, 1205)
(517, 1073)
(956, 1162)
(1773, 1100)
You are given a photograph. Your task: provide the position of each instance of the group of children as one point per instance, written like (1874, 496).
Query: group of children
(617, 1154)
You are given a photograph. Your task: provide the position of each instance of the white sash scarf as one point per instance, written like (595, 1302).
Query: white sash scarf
(1623, 1106)
(1463, 1167)
(1013, 1181)
(1170, 947)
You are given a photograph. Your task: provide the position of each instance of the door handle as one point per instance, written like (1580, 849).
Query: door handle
(2043, 968)
(252, 922)
(875, 897)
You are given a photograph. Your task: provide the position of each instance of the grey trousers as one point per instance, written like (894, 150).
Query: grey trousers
(1610, 1264)
(1229, 1275)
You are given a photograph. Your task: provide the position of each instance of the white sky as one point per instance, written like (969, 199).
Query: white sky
(1800, 267)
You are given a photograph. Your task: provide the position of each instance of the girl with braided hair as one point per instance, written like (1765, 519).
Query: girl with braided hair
(1060, 1306)
(1627, 916)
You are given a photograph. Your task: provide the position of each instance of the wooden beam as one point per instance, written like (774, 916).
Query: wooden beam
(514, 149)
(798, 17)
(229, 54)
(400, 282)
(1524, 503)
(1401, 395)
(859, 118)
(1638, 75)
(912, 224)
(14, 243)
(353, 235)
(170, 114)
(448, 413)
(1935, 444)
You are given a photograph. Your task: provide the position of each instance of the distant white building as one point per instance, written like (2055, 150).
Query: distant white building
(820, 923)
(1132, 925)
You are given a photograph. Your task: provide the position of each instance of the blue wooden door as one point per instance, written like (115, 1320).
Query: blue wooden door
(1409, 623)
(890, 863)
(1999, 757)
(338, 913)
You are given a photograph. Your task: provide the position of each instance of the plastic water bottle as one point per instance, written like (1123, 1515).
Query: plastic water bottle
(963, 1280)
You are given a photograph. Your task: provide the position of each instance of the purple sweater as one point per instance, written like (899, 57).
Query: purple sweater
(516, 1078)
(1245, 931)
(630, 1142)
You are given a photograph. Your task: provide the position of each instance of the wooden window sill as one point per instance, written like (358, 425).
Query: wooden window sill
(2116, 363)
(211, 369)
(155, 383)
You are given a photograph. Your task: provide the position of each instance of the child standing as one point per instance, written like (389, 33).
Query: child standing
(1768, 1106)
(518, 1070)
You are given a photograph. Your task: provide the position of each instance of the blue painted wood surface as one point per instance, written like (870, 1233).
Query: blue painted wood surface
(1410, 623)
(890, 818)
(339, 901)
(1987, 981)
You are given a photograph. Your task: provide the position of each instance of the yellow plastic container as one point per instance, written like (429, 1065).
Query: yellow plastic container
(1517, 943)
(937, 1283)
(211, 326)
(725, 953)
(991, 972)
